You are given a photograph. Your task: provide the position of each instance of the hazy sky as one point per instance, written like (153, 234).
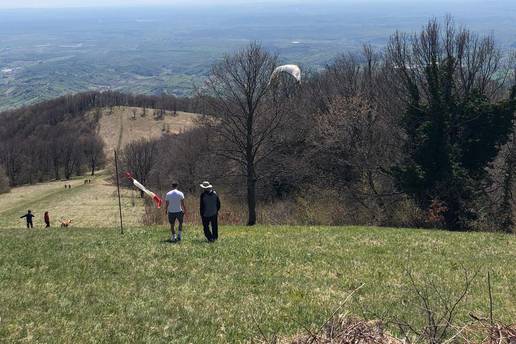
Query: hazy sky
(94, 3)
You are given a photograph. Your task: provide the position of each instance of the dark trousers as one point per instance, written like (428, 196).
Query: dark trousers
(214, 234)
(29, 224)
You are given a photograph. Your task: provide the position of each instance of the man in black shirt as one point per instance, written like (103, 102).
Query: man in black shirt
(29, 217)
(210, 206)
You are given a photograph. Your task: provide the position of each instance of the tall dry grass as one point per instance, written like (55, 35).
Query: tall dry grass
(310, 209)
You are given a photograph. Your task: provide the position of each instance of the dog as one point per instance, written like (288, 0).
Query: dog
(65, 223)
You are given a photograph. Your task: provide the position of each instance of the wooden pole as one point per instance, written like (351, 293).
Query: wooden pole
(118, 189)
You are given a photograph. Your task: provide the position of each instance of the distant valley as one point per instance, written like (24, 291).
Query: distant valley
(48, 53)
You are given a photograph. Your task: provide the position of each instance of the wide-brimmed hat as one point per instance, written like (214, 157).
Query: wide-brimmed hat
(206, 185)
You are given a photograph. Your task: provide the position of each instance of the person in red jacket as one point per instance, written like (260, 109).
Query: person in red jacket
(46, 217)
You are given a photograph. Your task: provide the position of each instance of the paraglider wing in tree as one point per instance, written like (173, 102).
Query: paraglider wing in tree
(291, 69)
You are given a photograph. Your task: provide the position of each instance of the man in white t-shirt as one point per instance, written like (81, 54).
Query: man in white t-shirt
(176, 211)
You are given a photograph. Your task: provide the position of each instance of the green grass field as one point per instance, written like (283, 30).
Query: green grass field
(97, 286)
(88, 205)
(88, 283)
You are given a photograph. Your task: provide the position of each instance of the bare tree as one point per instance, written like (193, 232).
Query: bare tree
(139, 158)
(4, 181)
(32, 164)
(353, 149)
(438, 308)
(159, 114)
(97, 114)
(11, 156)
(184, 158)
(467, 62)
(245, 114)
(71, 154)
(354, 137)
(93, 148)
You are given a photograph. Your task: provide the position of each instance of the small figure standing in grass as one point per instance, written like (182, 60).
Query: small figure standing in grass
(29, 216)
(176, 210)
(210, 206)
(46, 218)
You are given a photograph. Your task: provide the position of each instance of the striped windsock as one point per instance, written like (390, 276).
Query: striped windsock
(157, 200)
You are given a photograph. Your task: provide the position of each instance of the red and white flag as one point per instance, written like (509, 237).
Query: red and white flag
(157, 200)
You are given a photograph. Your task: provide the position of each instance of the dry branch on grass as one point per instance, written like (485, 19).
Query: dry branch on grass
(439, 329)
(502, 334)
(348, 330)
(495, 333)
(438, 309)
(340, 329)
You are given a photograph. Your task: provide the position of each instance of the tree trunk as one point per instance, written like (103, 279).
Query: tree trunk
(251, 199)
(506, 211)
(454, 216)
(56, 172)
(251, 174)
(93, 166)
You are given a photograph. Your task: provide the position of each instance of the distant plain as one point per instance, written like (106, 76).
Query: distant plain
(48, 53)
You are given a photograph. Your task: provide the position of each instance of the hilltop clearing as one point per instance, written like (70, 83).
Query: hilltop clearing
(128, 124)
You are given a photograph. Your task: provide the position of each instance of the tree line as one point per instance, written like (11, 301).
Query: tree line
(420, 133)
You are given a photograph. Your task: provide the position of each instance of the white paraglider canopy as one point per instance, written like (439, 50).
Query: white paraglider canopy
(291, 69)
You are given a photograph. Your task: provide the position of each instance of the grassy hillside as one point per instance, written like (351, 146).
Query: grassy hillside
(119, 128)
(98, 286)
(88, 283)
(88, 205)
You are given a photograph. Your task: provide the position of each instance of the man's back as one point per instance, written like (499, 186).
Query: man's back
(210, 204)
(174, 199)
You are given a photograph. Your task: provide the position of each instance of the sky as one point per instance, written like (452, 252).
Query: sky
(125, 3)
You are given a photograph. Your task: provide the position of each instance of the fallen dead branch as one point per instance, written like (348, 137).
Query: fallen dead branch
(494, 333)
(348, 330)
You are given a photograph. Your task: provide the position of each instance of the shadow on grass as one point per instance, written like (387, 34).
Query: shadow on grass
(193, 241)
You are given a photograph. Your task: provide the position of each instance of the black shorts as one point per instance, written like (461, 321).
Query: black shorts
(173, 216)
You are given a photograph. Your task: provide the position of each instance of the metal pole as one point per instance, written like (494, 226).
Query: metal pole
(118, 189)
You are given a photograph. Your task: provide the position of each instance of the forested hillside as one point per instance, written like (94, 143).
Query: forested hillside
(60, 138)
(420, 134)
